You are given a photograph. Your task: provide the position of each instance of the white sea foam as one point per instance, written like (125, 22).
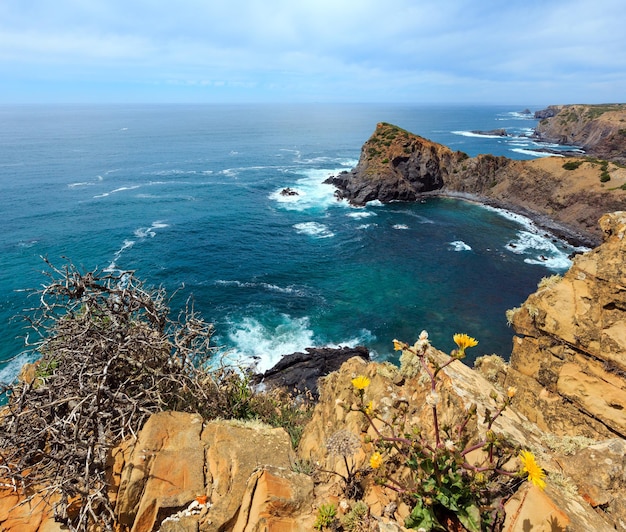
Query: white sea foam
(116, 190)
(262, 346)
(13, 367)
(311, 193)
(81, 184)
(517, 115)
(481, 135)
(264, 286)
(459, 245)
(141, 233)
(541, 250)
(535, 153)
(539, 245)
(400, 226)
(314, 229)
(361, 214)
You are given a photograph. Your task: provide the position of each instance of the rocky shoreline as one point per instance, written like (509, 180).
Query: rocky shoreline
(396, 165)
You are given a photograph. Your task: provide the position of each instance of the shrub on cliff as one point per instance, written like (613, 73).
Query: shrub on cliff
(110, 356)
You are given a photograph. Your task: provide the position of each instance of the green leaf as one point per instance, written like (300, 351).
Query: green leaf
(470, 518)
(422, 517)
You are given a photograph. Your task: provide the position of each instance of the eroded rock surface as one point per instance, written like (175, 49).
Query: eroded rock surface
(571, 342)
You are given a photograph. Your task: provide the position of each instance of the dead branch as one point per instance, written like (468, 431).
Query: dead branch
(110, 356)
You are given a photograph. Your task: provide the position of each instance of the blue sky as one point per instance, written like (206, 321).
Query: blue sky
(530, 52)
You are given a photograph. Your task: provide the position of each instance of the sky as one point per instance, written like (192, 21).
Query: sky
(529, 52)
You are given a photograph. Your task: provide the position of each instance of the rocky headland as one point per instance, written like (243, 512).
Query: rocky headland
(396, 165)
(598, 129)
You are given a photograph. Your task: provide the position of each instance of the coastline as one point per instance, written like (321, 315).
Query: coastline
(541, 221)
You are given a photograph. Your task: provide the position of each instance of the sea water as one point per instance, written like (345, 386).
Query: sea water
(189, 197)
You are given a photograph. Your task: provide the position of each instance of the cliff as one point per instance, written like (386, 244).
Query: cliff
(561, 398)
(396, 165)
(599, 129)
(569, 354)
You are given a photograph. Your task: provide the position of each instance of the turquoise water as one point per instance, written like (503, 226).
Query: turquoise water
(189, 197)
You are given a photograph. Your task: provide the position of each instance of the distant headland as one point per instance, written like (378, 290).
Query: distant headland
(565, 196)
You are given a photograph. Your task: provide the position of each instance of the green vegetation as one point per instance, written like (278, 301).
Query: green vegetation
(326, 516)
(442, 484)
(572, 165)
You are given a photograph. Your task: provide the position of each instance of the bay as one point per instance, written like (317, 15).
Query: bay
(188, 196)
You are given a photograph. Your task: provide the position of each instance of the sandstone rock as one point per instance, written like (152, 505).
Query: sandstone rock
(460, 387)
(276, 499)
(599, 129)
(19, 515)
(572, 343)
(178, 458)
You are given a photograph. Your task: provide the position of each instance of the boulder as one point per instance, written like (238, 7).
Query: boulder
(460, 387)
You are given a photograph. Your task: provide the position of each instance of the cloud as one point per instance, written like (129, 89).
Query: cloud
(325, 49)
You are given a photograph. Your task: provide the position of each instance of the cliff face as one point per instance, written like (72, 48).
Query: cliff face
(570, 347)
(397, 165)
(599, 129)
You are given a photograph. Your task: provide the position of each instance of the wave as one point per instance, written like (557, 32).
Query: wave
(115, 191)
(535, 153)
(459, 245)
(480, 135)
(262, 345)
(81, 184)
(314, 229)
(11, 368)
(311, 193)
(261, 342)
(265, 286)
(400, 226)
(516, 115)
(361, 214)
(543, 248)
(141, 233)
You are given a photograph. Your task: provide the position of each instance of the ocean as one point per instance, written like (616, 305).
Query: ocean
(188, 196)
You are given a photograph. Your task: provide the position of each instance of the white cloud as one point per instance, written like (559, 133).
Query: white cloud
(427, 49)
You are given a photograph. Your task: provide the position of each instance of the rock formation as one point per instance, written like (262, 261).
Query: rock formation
(570, 347)
(396, 165)
(299, 372)
(599, 129)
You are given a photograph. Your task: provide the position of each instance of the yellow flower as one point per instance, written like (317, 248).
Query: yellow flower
(369, 409)
(376, 460)
(464, 341)
(530, 466)
(361, 382)
(511, 391)
(397, 345)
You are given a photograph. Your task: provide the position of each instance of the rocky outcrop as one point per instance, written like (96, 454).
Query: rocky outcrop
(570, 348)
(599, 129)
(186, 474)
(299, 372)
(396, 165)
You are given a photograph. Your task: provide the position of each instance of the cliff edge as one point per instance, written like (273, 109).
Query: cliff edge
(565, 196)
